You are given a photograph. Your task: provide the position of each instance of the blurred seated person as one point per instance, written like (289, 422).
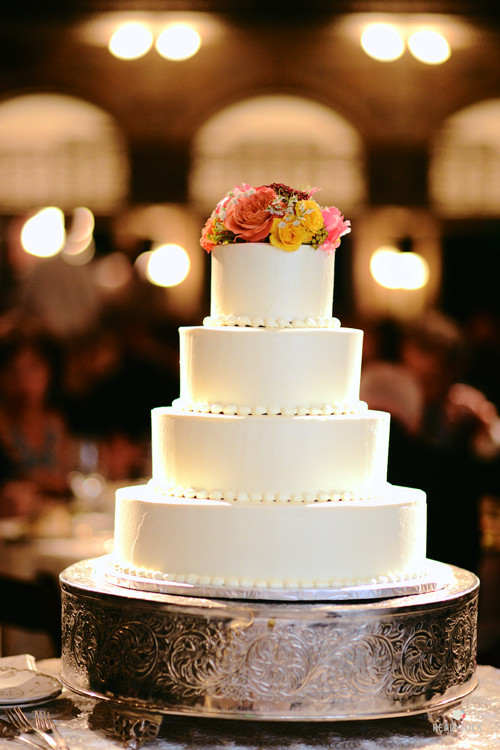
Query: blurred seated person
(453, 484)
(460, 434)
(121, 457)
(391, 387)
(114, 377)
(19, 499)
(34, 440)
(456, 416)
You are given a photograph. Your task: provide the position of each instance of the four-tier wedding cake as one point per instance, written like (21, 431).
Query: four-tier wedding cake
(268, 471)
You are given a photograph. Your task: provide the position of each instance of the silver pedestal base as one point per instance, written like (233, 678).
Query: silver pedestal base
(265, 660)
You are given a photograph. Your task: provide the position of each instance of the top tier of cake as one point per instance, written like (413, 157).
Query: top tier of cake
(257, 284)
(272, 258)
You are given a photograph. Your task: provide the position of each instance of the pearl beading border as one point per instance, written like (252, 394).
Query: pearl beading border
(253, 583)
(327, 410)
(189, 493)
(243, 321)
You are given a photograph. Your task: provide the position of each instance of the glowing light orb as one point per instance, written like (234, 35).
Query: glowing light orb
(167, 265)
(382, 41)
(429, 47)
(131, 41)
(80, 248)
(178, 42)
(393, 269)
(44, 234)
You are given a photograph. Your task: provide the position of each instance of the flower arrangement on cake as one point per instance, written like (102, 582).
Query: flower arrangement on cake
(283, 216)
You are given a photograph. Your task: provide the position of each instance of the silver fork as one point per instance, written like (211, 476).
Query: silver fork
(43, 722)
(12, 734)
(18, 719)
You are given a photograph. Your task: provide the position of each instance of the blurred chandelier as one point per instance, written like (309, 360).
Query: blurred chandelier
(132, 40)
(386, 36)
(385, 42)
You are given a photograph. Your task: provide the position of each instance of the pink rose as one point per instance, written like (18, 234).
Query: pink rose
(336, 227)
(205, 242)
(248, 215)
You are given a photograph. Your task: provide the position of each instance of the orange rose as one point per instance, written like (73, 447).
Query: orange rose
(248, 216)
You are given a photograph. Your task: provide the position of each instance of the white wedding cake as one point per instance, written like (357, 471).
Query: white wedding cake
(268, 471)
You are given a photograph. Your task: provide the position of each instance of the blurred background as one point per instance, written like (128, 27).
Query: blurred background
(135, 144)
(123, 123)
(133, 119)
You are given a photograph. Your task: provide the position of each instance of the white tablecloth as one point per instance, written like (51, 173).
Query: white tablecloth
(83, 722)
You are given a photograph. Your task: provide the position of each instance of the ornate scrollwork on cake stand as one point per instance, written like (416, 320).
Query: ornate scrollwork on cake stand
(273, 660)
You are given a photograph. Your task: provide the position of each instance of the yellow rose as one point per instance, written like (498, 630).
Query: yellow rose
(310, 214)
(287, 232)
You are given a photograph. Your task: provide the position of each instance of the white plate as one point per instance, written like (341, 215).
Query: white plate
(26, 687)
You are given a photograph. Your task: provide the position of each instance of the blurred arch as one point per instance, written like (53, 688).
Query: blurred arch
(464, 172)
(278, 138)
(60, 150)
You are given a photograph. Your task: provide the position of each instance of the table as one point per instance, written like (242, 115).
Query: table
(86, 725)
(58, 538)
(64, 538)
(25, 559)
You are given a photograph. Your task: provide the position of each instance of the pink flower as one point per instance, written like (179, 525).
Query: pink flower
(248, 215)
(336, 227)
(205, 240)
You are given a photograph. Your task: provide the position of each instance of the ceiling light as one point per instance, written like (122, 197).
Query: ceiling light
(382, 41)
(178, 42)
(131, 41)
(429, 47)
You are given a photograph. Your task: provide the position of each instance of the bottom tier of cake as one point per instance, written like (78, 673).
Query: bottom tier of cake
(273, 545)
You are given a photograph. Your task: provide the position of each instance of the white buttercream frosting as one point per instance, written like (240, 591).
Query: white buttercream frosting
(258, 281)
(277, 455)
(254, 371)
(272, 544)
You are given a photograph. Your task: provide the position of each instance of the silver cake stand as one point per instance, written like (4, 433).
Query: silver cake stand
(370, 653)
